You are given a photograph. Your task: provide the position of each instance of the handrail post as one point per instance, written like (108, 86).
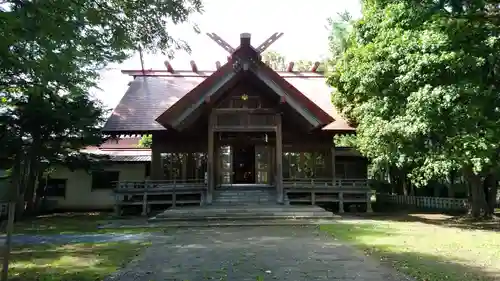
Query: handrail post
(341, 202)
(369, 202)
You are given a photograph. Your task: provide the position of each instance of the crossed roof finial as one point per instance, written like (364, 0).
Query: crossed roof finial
(262, 47)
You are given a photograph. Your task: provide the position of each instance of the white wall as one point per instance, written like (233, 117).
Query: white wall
(79, 193)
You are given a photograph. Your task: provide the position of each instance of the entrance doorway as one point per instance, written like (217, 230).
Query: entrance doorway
(244, 164)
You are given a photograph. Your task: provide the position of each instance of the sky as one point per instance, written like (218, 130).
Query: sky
(302, 22)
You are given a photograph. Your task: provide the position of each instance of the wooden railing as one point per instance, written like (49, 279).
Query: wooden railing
(313, 191)
(439, 203)
(234, 120)
(161, 192)
(156, 185)
(293, 183)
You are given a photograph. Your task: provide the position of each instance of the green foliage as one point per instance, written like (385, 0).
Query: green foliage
(416, 85)
(52, 52)
(340, 28)
(277, 62)
(345, 140)
(146, 141)
(421, 80)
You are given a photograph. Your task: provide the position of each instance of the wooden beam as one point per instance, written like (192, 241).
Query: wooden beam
(290, 66)
(221, 42)
(314, 68)
(269, 41)
(281, 92)
(218, 85)
(169, 67)
(279, 159)
(217, 65)
(210, 160)
(156, 161)
(194, 68)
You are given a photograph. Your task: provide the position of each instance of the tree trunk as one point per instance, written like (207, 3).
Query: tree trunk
(405, 187)
(22, 171)
(8, 242)
(451, 185)
(41, 182)
(490, 193)
(492, 199)
(479, 204)
(29, 191)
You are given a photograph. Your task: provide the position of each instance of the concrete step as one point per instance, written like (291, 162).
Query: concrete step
(240, 218)
(238, 199)
(246, 208)
(222, 223)
(248, 212)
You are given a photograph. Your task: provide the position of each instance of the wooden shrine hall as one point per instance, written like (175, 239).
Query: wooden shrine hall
(241, 127)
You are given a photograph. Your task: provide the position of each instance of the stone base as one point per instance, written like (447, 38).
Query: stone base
(242, 213)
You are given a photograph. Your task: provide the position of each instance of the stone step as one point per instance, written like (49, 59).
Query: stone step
(246, 208)
(244, 192)
(222, 223)
(234, 200)
(254, 213)
(232, 217)
(245, 197)
(243, 212)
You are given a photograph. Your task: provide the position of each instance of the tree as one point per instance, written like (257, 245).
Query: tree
(277, 62)
(51, 55)
(421, 80)
(146, 141)
(340, 29)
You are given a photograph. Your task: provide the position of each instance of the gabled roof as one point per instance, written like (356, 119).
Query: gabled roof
(244, 59)
(148, 96)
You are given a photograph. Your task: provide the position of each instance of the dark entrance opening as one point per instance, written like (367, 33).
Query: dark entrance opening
(243, 164)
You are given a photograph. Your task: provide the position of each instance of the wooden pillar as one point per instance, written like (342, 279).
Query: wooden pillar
(210, 160)
(334, 176)
(184, 166)
(279, 160)
(369, 202)
(217, 162)
(156, 162)
(341, 202)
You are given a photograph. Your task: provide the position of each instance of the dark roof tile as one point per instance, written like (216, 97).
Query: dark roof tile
(149, 96)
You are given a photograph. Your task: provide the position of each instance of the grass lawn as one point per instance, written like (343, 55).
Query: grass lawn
(82, 262)
(72, 223)
(429, 252)
(71, 262)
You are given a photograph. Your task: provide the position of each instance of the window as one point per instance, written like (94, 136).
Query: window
(54, 187)
(105, 179)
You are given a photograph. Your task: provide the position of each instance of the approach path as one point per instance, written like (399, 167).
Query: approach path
(292, 253)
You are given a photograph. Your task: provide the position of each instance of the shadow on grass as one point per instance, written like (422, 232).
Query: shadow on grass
(68, 223)
(83, 262)
(419, 265)
(449, 219)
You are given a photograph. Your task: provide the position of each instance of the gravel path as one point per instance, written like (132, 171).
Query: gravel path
(292, 253)
(25, 239)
